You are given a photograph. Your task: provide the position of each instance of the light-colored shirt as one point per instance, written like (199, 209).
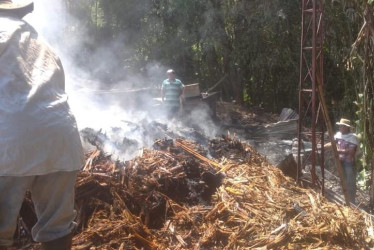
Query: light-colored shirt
(38, 132)
(172, 91)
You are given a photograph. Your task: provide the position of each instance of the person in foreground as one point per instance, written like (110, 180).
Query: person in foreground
(346, 143)
(40, 146)
(171, 93)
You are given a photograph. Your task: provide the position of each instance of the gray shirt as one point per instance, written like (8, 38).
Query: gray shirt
(38, 132)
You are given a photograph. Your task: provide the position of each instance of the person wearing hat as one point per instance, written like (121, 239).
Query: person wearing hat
(346, 143)
(40, 146)
(172, 93)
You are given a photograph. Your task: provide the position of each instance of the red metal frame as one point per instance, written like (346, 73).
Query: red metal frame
(311, 124)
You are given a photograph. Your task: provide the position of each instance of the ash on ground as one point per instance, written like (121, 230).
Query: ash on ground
(271, 135)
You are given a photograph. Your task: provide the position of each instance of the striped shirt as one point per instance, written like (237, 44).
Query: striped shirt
(172, 91)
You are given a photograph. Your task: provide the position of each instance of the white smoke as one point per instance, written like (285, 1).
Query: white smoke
(100, 103)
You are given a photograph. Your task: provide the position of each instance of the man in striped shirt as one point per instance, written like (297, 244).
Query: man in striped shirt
(171, 93)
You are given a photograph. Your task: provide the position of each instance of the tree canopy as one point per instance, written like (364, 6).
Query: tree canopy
(253, 45)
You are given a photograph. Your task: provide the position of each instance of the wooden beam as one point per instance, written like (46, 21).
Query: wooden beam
(333, 143)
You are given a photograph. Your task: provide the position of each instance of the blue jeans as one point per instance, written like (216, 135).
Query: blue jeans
(349, 173)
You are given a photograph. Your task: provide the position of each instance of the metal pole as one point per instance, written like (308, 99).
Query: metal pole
(299, 127)
(311, 122)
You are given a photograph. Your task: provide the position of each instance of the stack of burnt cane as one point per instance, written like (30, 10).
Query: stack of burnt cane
(179, 196)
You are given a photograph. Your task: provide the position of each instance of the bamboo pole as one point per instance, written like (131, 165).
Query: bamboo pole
(333, 143)
(372, 183)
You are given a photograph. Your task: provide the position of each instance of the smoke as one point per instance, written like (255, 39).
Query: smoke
(48, 19)
(99, 83)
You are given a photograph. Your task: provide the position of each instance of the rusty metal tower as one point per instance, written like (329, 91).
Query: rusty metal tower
(311, 125)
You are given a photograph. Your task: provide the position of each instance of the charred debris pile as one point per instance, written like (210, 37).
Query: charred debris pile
(174, 197)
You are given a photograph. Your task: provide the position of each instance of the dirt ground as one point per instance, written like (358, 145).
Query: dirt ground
(234, 114)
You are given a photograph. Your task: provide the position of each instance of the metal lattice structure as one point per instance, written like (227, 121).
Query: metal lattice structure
(311, 125)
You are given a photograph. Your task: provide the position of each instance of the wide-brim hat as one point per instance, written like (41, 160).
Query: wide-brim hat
(12, 5)
(344, 122)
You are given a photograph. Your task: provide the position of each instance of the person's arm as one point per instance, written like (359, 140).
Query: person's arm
(181, 93)
(162, 92)
(327, 145)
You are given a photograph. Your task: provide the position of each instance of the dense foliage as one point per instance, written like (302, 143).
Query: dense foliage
(253, 45)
